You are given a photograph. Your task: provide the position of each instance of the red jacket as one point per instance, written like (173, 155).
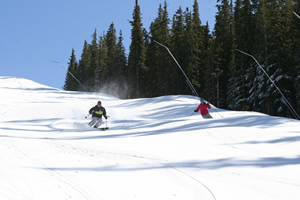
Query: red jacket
(203, 108)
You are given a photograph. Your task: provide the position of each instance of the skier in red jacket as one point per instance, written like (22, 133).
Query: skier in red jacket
(203, 109)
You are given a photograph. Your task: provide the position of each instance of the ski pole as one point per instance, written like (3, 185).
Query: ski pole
(191, 115)
(216, 111)
(106, 120)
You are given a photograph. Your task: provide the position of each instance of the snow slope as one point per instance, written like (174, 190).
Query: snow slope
(154, 149)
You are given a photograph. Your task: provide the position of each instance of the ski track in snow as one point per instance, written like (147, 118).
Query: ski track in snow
(196, 187)
(170, 170)
(29, 155)
(32, 157)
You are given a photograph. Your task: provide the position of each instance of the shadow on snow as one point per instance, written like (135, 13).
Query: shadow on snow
(200, 165)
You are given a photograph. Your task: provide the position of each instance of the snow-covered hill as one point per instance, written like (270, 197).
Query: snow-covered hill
(155, 149)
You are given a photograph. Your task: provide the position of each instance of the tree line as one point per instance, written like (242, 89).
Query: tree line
(269, 30)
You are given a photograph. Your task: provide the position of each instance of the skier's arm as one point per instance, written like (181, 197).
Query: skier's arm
(197, 108)
(91, 110)
(104, 113)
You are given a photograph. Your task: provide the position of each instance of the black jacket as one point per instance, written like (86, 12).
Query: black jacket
(98, 112)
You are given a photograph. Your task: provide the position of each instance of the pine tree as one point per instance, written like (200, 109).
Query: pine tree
(275, 44)
(121, 73)
(113, 64)
(158, 59)
(284, 72)
(71, 83)
(178, 44)
(296, 72)
(110, 86)
(197, 65)
(223, 50)
(240, 80)
(102, 70)
(273, 49)
(91, 71)
(191, 61)
(84, 65)
(208, 90)
(137, 56)
(111, 39)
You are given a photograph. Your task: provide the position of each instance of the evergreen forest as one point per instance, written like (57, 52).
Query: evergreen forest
(267, 30)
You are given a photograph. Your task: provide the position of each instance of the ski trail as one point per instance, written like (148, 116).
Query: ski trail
(197, 187)
(14, 184)
(67, 186)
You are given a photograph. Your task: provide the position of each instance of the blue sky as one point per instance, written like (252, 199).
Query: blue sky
(33, 32)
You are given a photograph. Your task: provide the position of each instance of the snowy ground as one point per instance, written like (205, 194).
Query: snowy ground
(153, 149)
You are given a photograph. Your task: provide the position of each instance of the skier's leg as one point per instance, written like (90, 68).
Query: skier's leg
(99, 122)
(207, 116)
(94, 121)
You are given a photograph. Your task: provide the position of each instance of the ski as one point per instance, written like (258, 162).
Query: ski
(101, 128)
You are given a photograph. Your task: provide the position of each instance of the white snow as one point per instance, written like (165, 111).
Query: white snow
(154, 149)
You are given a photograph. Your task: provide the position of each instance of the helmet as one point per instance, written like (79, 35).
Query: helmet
(201, 100)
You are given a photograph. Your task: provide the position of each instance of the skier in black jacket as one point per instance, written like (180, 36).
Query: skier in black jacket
(97, 112)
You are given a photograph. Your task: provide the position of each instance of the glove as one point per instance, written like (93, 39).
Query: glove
(105, 117)
(207, 104)
(195, 111)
